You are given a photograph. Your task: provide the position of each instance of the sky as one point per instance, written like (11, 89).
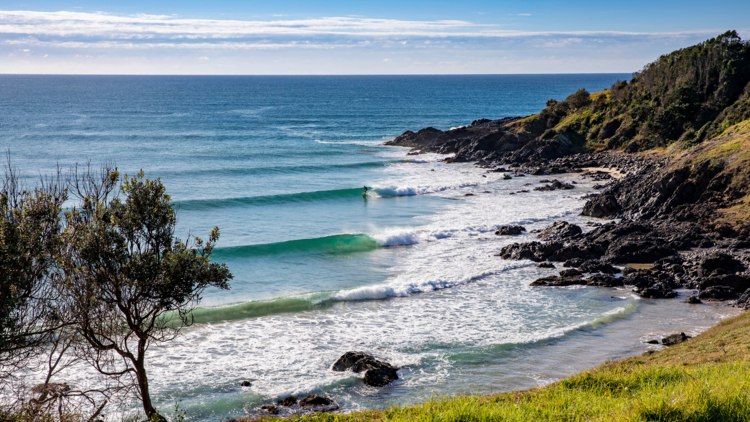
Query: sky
(295, 37)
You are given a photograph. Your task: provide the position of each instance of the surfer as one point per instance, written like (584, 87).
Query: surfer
(365, 191)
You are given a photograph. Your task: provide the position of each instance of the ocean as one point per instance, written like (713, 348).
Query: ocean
(406, 272)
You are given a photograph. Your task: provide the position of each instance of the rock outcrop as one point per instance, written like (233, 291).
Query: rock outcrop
(510, 230)
(377, 373)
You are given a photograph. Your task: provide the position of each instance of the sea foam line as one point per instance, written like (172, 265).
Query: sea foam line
(404, 289)
(363, 143)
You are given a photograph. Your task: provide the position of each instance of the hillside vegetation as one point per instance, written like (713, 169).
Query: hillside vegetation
(688, 96)
(691, 106)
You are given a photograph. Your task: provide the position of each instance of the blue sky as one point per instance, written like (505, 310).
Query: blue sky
(352, 37)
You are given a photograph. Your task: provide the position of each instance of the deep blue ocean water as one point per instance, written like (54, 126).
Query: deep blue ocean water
(406, 272)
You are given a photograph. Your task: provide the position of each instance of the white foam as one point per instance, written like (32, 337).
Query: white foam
(420, 190)
(397, 237)
(384, 291)
(363, 143)
(407, 286)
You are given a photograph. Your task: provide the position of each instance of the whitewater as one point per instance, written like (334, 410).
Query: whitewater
(407, 272)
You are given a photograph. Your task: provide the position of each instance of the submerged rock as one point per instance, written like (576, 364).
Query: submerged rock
(546, 265)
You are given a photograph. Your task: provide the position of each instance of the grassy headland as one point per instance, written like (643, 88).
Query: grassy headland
(704, 379)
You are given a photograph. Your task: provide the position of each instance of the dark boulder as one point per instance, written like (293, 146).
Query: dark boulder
(555, 185)
(656, 291)
(570, 250)
(598, 280)
(642, 279)
(570, 272)
(592, 266)
(270, 409)
(311, 401)
(693, 300)
(604, 280)
(601, 206)
(718, 263)
(380, 377)
(510, 230)
(557, 281)
(559, 230)
(673, 339)
(574, 262)
(535, 251)
(358, 362)
(739, 283)
(288, 401)
(246, 383)
(378, 373)
(546, 265)
(717, 293)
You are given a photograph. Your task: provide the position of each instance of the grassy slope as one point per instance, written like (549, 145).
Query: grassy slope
(704, 379)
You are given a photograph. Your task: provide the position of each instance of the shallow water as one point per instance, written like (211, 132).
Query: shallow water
(406, 272)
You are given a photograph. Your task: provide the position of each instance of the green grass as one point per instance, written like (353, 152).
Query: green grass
(704, 379)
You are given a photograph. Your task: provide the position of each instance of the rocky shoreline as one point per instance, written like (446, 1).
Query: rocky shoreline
(663, 212)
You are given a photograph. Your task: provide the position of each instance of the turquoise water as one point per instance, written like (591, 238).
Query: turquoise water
(406, 272)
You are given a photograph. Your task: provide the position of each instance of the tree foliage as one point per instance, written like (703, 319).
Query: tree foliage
(98, 283)
(30, 240)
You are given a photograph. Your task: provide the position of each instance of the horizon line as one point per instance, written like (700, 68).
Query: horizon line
(310, 74)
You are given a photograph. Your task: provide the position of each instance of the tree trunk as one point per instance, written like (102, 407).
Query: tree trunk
(148, 407)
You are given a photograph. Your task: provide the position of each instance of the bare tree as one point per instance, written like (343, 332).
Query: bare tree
(128, 280)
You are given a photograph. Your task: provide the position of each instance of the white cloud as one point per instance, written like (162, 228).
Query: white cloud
(119, 45)
(436, 46)
(101, 24)
(96, 27)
